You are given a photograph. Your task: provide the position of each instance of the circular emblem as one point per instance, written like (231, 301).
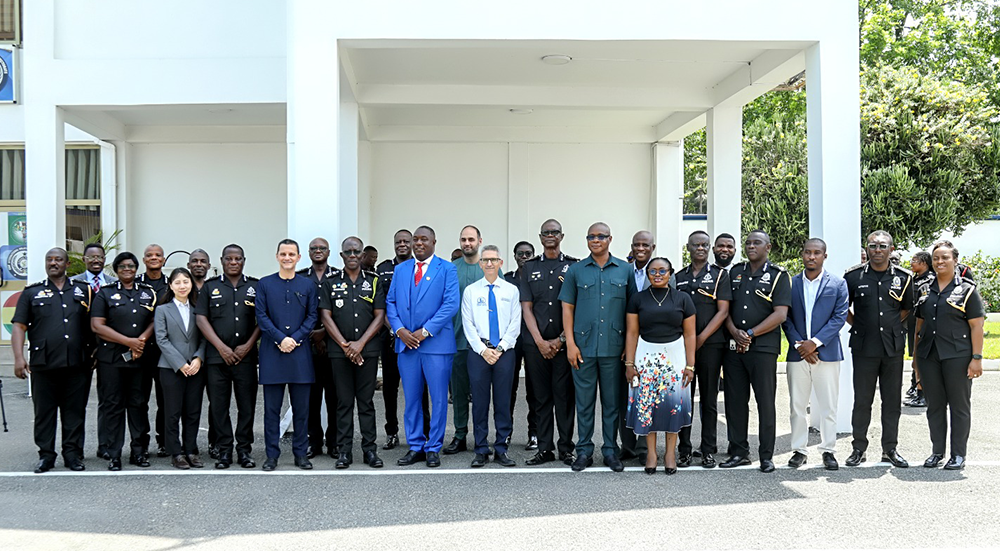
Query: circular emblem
(17, 262)
(18, 230)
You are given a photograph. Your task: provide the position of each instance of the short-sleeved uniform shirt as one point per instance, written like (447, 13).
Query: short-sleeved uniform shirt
(661, 314)
(352, 306)
(231, 311)
(706, 288)
(755, 295)
(58, 322)
(127, 311)
(384, 271)
(310, 273)
(539, 282)
(599, 294)
(878, 299)
(513, 277)
(946, 314)
(467, 274)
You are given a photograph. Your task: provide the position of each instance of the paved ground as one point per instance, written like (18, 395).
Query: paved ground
(362, 508)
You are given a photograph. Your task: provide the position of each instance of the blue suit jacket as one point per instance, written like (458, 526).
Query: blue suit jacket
(431, 305)
(828, 317)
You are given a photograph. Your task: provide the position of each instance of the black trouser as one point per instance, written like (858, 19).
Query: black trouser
(182, 397)
(554, 390)
(60, 392)
(529, 390)
(123, 394)
(947, 388)
(707, 367)
(887, 372)
(102, 416)
(355, 384)
(151, 379)
(390, 386)
(630, 444)
(757, 370)
(223, 381)
(324, 384)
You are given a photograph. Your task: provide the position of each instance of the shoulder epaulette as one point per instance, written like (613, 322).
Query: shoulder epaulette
(116, 283)
(372, 273)
(855, 267)
(969, 281)
(534, 258)
(780, 268)
(36, 284)
(902, 269)
(141, 284)
(568, 257)
(252, 278)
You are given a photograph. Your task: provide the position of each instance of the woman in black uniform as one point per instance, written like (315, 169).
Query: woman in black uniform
(949, 346)
(122, 319)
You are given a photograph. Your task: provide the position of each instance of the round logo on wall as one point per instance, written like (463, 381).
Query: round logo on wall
(17, 262)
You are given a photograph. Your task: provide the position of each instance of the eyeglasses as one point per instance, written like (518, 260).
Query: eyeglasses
(551, 233)
(92, 258)
(352, 252)
(700, 246)
(313, 249)
(661, 271)
(598, 237)
(524, 254)
(878, 246)
(490, 260)
(129, 266)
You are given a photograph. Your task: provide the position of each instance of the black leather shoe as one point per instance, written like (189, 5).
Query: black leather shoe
(917, 401)
(479, 461)
(303, 463)
(955, 463)
(115, 464)
(708, 461)
(139, 460)
(411, 458)
(311, 451)
(433, 460)
(44, 466)
(344, 461)
(684, 461)
(213, 452)
(567, 458)
(179, 462)
(76, 465)
(614, 463)
(456, 445)
(856, 458)
(246, 461)
(161, 452)
(766, 466)
(735, 461)
(391, 442)
(224, 461)
(373, 460)
(892, 456)
(582, 462)
(626, 455)
(696, 452)
(503, 460)
(103, 454)
(195, 461)
(798, 459)
(650, 470)
(830, 462)
(532, 443)
(934, 461)
(670, 470)
(270, 464)
(540, 458)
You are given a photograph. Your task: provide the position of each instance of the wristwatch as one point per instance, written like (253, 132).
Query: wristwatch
(500, 349)
(749, 332)
(977, 356)
(424, 333)
(562, 339)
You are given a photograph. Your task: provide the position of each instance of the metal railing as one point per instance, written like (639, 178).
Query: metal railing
(10, 21)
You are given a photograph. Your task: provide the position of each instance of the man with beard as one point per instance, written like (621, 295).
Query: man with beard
(153, 258)
(369, 258)
(724, 251)
(643, 247)
(522, 252)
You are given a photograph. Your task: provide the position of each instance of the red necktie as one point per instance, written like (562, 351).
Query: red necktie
(419, 274)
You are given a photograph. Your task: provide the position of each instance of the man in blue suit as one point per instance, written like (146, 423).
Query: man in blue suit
(818, 312)
(420, 306)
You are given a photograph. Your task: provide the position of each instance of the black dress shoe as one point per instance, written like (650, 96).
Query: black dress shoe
(735, 461)
(567, 457)
(456, 445)
(917, 401)
(503, 460)
(532, 443)
(670, 470)
(270, 464)
(391, 442)
(934, 460)
(614, 463)
(139, 460)
(411, 458)
(195, 461)
(830, 462)
(684, 461)
(246, 461)
(798, 459)
(479, 461)
(892, 456)
(103, 454)
(373, 460)
(115, 464)
(76, 465)
(626, 455)
(213, 452)
(334, 451)
(344, 461)
(311, 451)
(303, 463)
(955, 463)
(540, 458)
(433, 460)
(696, 452)
(161, 452)
(44, 466)
(856, 458)
(582, 462)
(224, 461)
(766, 466)
(708, 461)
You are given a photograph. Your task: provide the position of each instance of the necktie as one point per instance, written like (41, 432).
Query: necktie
(494, 319)
(96, 284)
(419, 274)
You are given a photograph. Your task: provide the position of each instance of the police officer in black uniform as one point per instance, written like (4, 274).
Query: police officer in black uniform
(122, 319)
(762, 295)
(920, 265)
(226, 316)
(352, 310)
(319, 253)
(55, 315)
(153, 259)
(523, 252)
(709, 288)
(881, 296)
(545, 348)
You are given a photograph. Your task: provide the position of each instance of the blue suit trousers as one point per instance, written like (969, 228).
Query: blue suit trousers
(417, 369)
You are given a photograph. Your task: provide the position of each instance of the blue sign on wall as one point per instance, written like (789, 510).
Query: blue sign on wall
(6, 76)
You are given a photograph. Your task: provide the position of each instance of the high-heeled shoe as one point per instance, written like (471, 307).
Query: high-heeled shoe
(650, 470)
(670, 470)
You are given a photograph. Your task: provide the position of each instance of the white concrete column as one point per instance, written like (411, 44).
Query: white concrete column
(365, 196)
(519, 223)
(347, 159)
(724, 140)
(668, 203)
(45, 183)
(834, 142)
(109, 184)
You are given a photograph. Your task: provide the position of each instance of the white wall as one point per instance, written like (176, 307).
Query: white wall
(187, 196)
(978, 237)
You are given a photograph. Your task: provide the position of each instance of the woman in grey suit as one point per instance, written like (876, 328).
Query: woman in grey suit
(182, 350)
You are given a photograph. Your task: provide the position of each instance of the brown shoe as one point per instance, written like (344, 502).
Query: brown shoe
(195, 461)
(180, 462)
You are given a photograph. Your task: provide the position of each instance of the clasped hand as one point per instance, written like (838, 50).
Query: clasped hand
(287, 345)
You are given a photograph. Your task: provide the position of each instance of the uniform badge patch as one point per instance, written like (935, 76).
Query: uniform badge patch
(366, 286)
(216, 293)
(116, 296)
(145, 296)
(708, 278)
(339, 303)
(896, 282)
(481, 301)
(77, 292)
(766, 277)
(44, 293)
(251, 292)
(565, 268)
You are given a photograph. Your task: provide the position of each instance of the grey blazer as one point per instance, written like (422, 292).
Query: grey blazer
(177, 346)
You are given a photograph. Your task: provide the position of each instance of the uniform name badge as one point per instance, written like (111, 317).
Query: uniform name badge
(339, 303)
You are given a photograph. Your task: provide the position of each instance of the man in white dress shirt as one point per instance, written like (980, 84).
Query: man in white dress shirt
(491, 318)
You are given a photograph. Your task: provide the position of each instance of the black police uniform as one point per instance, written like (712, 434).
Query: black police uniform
(540, 281)
(129, 312)
(755, 296)
(878, 340)
(231, 311)
(706, 289)
(150, 369)
(352, 305)
(325, 382)
(944, 351)
(60, 344)
(513, 277)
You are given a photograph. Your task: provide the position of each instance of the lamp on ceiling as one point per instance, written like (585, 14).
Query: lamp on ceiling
(556, 59)
(521, 111)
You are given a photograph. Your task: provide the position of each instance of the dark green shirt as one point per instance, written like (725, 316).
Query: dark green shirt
(467, 274)
(599, 295)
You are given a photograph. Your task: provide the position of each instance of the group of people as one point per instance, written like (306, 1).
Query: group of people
(640, 334)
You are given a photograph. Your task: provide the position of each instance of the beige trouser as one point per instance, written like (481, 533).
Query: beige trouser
(803, 379)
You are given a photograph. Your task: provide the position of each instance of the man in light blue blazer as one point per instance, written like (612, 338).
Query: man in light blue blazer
(818, 312)
(420, 306)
